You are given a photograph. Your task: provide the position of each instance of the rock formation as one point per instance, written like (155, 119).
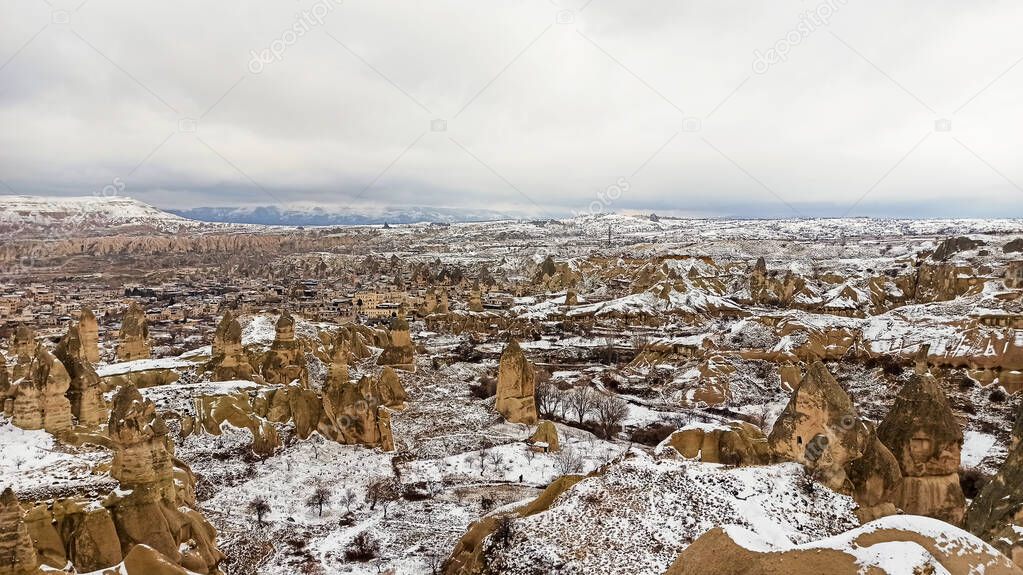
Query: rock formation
(88, 329)
(284, 362)
(39, 400)
(17, 553)
(737, 443)
(155, 503)
(876, 478)
(476, 298)
(820, 428)
(516, 386)
(23, 347)
(925, 438)
(399, 352)
(996, 514)
(236, 409)
(360, 413)
(952, 246)
(925, 546)
(133, 337)
(228, 360)
(545, 438)
(85, 393)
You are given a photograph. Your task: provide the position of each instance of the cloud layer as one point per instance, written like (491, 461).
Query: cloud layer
(541, 106)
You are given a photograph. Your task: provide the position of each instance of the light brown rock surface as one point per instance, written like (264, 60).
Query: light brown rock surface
(17, 552)
(546, 435)
(85, 392)
(996, 514)
(887, 546)
(133, 337)
(737, 443)
(925, 438)
(820, 428)
(516, 386)
(228, 360)
(398, 352)
(89, 330)
(39, 397)
(284, 362)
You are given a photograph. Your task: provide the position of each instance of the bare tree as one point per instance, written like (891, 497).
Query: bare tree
(611, 412)
(568, 462)
(548, 397)
(318, 498)
(495, 459)
(504, 530)
(381, 490)
(348, 498)
(582, 401)
(259, 507)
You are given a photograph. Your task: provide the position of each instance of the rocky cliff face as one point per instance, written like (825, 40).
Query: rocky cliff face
(133, 339)
(516, 386)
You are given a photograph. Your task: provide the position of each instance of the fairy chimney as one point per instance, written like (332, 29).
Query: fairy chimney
(399, 352)
(39, 397)
(820, 428)
(23, 346)
(133, 338)
(142, 451)
(285, 360)
(17, 552)
(516, 386)
(228, 359)
(996, 514)
(876, 478)
(923, 434)
(88, 328)
(85, 392)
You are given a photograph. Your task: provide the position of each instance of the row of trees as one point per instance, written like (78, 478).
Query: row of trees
(382, 491)
(608, 410)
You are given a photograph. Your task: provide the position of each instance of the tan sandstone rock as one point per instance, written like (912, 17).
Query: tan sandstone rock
(398, 352)
(736, 443)
(17, 553)
(85, 392)
(133, 337)
(39, 397)
(923, 434)
(820, 428)
(228, 360)
(89, 330)
(516, 386)
(284, 362)
(545, 437)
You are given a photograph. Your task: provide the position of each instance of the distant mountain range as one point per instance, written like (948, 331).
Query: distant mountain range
(337, 216)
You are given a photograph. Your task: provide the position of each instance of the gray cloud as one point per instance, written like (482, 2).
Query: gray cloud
(541, 116)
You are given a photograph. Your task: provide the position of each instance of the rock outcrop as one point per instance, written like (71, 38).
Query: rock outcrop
(360, 413)
(39, 400)
(399, 352)
(236, 409)
(737, 443)
(284, 362)
(996, 514)
(925, 438)
(228, 360)
(155, 504)
(17, 552)
(820, 428)
(23, 346)
(924, 546)
(876, 478)
(88, 328)
(516, 386)
(85, 391)
(545, 438)
(133, 337)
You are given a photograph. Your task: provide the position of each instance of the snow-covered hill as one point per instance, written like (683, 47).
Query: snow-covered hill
(26, 215)
(315, 215)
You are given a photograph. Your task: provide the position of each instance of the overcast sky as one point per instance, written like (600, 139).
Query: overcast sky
(774, 108)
